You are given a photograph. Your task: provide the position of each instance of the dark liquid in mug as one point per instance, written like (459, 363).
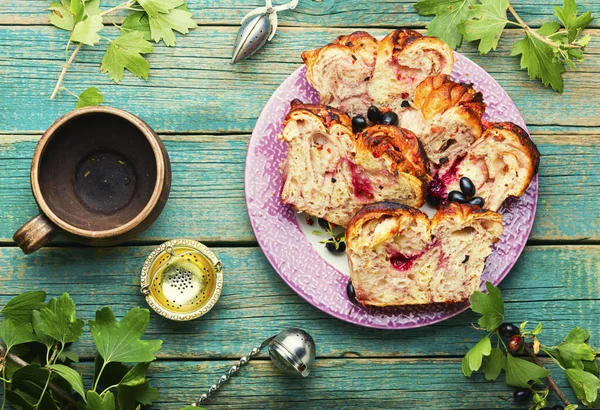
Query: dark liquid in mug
(105, 182)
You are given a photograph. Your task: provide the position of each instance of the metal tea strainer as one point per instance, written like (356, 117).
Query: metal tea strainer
(292, 351)
(181, 279)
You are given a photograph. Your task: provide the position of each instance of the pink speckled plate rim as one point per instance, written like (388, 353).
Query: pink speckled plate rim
(294, 258)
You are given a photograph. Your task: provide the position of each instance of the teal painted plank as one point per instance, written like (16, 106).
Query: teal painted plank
(207, 196)
(327, 13)
(193, 88)
(552, 284)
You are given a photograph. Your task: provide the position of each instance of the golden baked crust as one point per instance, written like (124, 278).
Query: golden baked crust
(331, 173)
(397, 256)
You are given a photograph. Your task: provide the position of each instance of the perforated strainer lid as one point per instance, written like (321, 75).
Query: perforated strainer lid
(181, 279)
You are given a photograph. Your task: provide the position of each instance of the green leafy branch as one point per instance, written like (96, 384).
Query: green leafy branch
(155, 20)
(43, 332)
(544, 52)
(573, 355)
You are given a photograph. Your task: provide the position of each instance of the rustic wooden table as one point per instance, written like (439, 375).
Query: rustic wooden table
(205, 109)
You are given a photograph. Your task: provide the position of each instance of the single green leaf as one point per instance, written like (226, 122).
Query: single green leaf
(86, 31)
(573, 23)
(70, 375)
(20, 307)
(448, 15)
(41, 336)
(97, 402)
(68, 355)
(574, 348)
(61, 16)
(485, 22)
(136, 376)
(125, 52)
(162, 25)
(90, 97)
(490, 306)
(537, 330)
(120, 342)
(77, 10)
(538, 58)
(58, 320)
(494, 364)
(585, 385)
(520, 372)
(137, 21)
(472, 360)
(131, 397)
(156, 7)
(13, 333)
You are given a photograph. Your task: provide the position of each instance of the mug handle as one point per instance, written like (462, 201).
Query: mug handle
(36, 233)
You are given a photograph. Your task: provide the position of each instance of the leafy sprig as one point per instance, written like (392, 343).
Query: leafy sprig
(544, 52)
(573, 355)
(336, 234)
(150, 20)
(42, 334)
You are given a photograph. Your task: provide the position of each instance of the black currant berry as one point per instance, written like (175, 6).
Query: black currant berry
(522, 394)
(508, 330)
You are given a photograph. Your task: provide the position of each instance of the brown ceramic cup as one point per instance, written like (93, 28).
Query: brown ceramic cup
(99, 174)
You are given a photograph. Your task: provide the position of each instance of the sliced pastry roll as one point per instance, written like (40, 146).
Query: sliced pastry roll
(397, 256)
(331, 173)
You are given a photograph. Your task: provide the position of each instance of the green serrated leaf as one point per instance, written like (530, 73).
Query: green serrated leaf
(574, 349)
(71, 376)
(124, 52)
(485, 22)
(68, 355)
(490, 306)
(90, 97)
(20, 307)
(120, 342)
(521, 373)
(573, 23)
(474, 357)
(97, 402)
(136, 376)
(585, 385)
(137, 21)
(58, 320)
(448, 15)
(494, 364)
(41, 336)
(538, 58)
(131, 397)
(163, 25)
(156, 7)
(61, 16)
(13, 333)
(86, 31)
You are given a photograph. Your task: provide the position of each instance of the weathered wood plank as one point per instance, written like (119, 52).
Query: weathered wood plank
(335, 384)
(193, 88)
(207, 197)
(557, 285)
(326, 13)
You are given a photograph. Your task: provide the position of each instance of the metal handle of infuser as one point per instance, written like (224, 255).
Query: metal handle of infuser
(233, 370)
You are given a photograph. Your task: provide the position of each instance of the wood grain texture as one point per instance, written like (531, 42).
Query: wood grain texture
(207, 194)
(557, 285)
(326, 13)
(194, 89)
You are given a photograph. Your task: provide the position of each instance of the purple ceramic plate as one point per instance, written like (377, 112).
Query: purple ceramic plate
(306, 271)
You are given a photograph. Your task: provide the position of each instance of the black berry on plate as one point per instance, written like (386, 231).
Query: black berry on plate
(350, 292)
(324, 224)
(405, 104)
(467, 187)
(373, 114)
(359, 123)
(515, 343)
(331, 246)
(389, 118)
(522, 394)
(558, 407)
(477, 201)
(456, 196)
(508, 330)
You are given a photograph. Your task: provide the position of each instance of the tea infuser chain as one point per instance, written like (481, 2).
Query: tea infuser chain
(234, 369)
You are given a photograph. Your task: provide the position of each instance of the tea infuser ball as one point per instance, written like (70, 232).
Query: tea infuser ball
(292, 351)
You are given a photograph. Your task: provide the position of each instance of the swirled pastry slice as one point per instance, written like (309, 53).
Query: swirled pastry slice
(500, 164)
(340, 71)
(451, 117)
(397, 256)
(404, 59)
(331, 173)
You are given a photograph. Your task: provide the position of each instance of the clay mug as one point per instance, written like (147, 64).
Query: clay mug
(99, 174)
